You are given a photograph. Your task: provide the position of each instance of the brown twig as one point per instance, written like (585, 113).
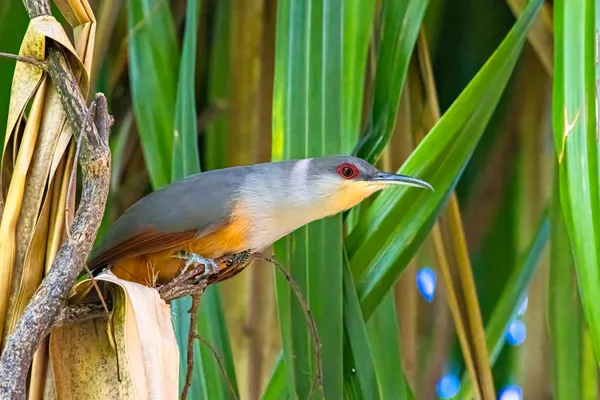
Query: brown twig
(220, 362)
(192, 335)
(190, 345)
(32, 61)
(46, 304)
(318, 381)
(179, 291)
(181, 286)
(254, 331)
(89, 113)
(184, 285)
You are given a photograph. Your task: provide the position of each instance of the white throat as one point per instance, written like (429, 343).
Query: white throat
(282, 203)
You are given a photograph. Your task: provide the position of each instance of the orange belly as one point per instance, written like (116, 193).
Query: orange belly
(161, 267)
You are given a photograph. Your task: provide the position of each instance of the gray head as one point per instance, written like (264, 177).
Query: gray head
(347, 180)
(354, 169)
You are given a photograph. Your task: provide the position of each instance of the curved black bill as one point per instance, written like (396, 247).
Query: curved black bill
(397, 179)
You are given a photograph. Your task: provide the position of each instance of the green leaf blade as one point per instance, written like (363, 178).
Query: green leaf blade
(406, 215)
(401, 21)
(385, 344)
(276, 387)
(574, 123)
(358, 26)
(564, 311)
(512, 297)
(307, 122)
(153, 65)
(217, 132)
(212, 327)
(360, 375)
(186, 158)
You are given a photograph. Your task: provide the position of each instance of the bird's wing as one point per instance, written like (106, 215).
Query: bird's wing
(144, 242)
(173, 215)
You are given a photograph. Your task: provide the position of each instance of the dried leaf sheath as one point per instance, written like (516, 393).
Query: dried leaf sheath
(148, 364)
(40, 375)
(64, 152)
(14, 199)
(40, 226)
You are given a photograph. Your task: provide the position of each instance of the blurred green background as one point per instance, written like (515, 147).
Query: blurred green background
(466, 292)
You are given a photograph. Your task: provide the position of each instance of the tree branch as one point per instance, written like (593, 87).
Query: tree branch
(44, 308)
(37, 63)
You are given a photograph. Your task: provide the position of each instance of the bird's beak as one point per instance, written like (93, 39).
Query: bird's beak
(397, 179)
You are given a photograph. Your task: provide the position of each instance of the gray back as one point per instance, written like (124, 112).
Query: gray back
(193, 203)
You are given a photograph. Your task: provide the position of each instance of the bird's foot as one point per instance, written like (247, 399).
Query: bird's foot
(210, 266)
(238, 258)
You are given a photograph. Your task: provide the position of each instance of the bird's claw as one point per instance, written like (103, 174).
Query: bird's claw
(238, 258)
(210, 266)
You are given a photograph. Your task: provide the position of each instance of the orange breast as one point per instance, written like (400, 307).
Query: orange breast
(161, 267)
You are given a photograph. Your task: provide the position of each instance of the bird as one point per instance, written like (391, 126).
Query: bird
(232, 212)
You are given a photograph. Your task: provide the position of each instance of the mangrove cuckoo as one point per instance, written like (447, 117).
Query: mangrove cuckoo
(233, 212)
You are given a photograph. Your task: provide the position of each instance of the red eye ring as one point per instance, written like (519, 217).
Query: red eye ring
(347, 171)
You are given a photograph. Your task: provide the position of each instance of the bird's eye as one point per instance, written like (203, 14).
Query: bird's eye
(347, 171)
